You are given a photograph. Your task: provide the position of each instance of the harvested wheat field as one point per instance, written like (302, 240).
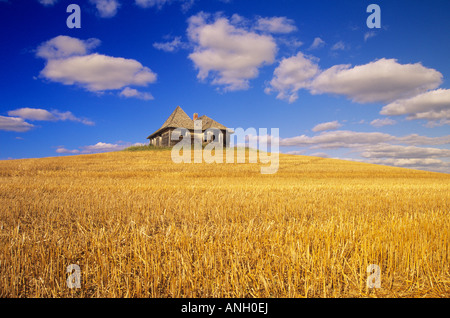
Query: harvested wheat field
(139, 225)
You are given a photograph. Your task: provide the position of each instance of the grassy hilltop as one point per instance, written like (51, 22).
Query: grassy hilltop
(139, 225)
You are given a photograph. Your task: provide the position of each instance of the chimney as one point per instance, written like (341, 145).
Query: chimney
(195, 116)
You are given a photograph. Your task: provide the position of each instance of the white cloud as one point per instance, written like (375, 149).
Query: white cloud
(369, 35)
(422, 158)
(317, 43)
(32, 114)
(433, 106)
(291, 75)
(171, 46)
(415, 139)
(275, 25)
(106, 8)
(44, 115)
(103, 147)
(331, 125)
(64, 150)
(423, 164)
(47, 2)
(382, 122)
(64, 46)
(337, 139)
(63, 116)
(230, 55)
(398, 151)
(352, 139)
(152, 3)
(383, 80)
(98, 72)
(292, 43)
(14, 124)
(380, 148)
(97, 148)
(185, 4)
(339, 46)
(68, 64)
(131, 92)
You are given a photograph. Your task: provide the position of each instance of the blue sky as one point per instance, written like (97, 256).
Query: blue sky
(334, 87)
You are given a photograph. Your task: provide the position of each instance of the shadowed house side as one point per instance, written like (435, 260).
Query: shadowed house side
(179, 119)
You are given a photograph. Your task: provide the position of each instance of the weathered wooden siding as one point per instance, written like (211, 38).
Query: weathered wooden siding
(164, 140)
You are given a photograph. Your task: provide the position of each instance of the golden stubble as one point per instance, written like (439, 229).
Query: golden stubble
(139, 225)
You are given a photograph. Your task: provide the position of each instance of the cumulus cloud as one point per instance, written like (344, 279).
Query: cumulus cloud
(64, 46)
(383, 80)
(317, 43)
(228, 54)
(275, 25)
(37, 114)
(14, 124)
(68, 63)
(433, 106)
(382, 122)
(98, 72)
(291, 75)
(131, 92)
(32, 114)
(331, 125)
(106, 8)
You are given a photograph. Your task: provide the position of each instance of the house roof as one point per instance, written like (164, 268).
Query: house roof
(179, 119)
(210, 123)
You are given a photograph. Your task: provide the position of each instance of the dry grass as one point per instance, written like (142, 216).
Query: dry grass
(139, 225)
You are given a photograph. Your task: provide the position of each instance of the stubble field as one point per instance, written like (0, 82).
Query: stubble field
(139, 225)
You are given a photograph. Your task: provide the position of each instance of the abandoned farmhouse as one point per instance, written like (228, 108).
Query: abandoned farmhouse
(179, 119)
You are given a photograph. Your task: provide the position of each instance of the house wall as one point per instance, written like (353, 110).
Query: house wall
(164, 140)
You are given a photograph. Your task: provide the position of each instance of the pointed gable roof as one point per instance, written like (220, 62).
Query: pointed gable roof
(210, 123)
(179, 118)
